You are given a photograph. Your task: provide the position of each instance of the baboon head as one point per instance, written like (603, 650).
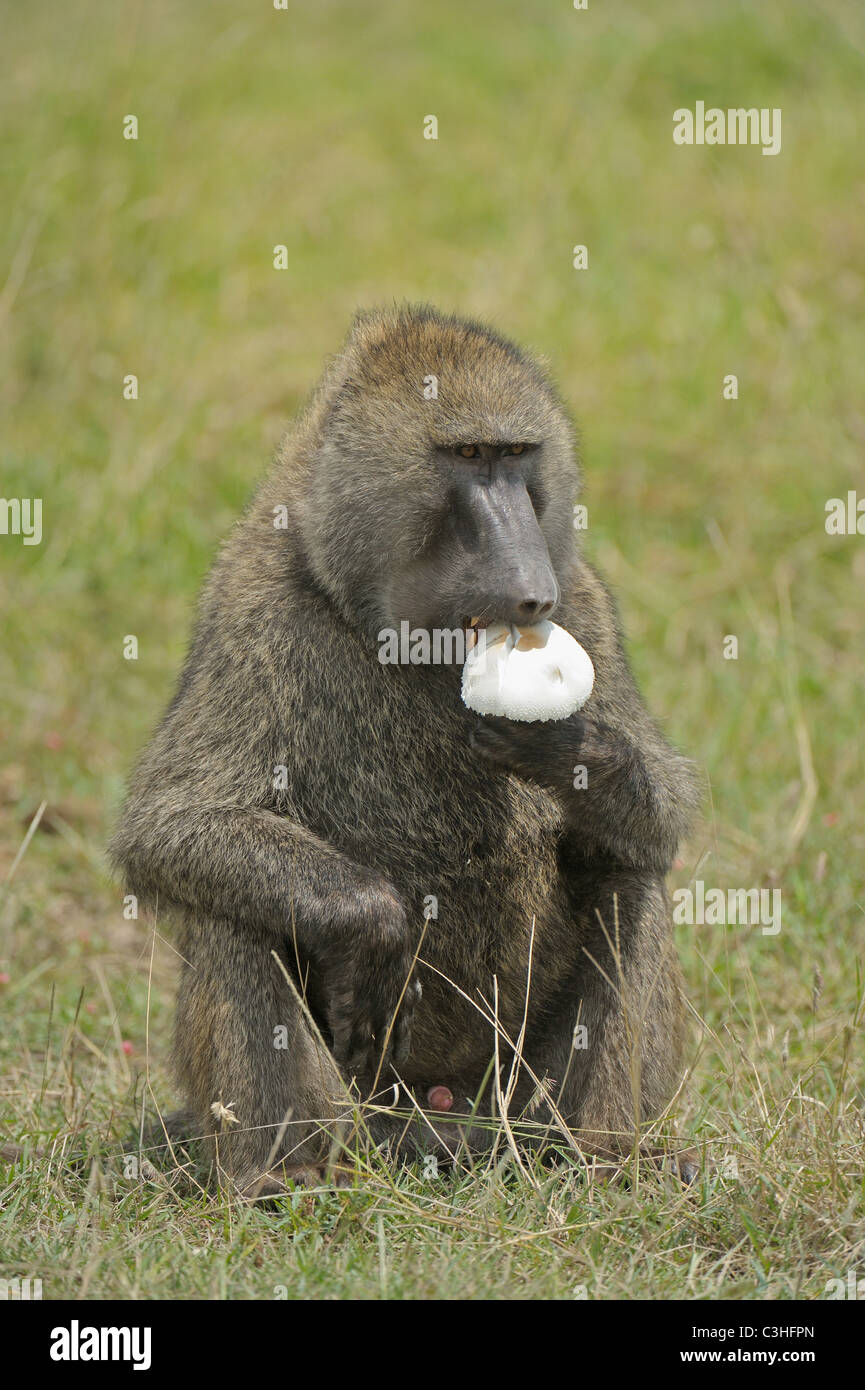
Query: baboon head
(441, 476)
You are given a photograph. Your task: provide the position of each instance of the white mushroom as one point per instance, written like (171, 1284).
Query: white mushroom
(527, 673)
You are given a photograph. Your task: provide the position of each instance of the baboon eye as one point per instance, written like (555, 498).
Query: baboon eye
(468, 451)
(514, 449)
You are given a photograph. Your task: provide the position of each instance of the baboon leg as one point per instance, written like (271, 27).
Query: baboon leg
(625, 1068)
(257, 1077)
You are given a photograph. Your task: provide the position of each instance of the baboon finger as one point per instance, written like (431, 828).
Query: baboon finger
(360, 1046)
(402, 1036)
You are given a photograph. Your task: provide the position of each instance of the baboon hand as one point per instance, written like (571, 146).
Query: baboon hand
(547, 752)
(371, 991)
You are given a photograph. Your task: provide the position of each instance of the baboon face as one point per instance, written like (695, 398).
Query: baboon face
(442, 490)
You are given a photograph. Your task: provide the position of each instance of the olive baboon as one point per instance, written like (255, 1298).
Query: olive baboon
(304, 799)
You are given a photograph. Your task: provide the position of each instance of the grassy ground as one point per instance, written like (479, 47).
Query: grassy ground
(155, 258)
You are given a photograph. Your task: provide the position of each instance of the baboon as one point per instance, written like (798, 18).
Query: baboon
(310, 813)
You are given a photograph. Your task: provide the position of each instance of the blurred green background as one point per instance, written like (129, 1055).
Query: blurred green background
(304, 127)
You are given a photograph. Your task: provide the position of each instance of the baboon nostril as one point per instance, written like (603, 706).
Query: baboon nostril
(535, 610)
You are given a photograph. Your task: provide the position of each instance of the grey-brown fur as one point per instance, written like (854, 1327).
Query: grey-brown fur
(396, 792)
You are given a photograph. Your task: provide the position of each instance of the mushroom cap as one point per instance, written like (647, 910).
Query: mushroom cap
(527, 673)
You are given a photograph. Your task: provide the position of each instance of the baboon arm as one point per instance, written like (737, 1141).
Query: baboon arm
(246, 865)
(619, 800)
(640, 794)
(625, 793)
(630, 803)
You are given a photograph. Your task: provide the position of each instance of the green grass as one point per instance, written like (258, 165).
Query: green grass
(155, 257)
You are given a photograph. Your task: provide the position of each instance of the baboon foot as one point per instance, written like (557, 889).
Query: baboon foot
(684, 1163)
(289, 1177)
(608, 1167)
(163, 1140)
(688, 1165)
